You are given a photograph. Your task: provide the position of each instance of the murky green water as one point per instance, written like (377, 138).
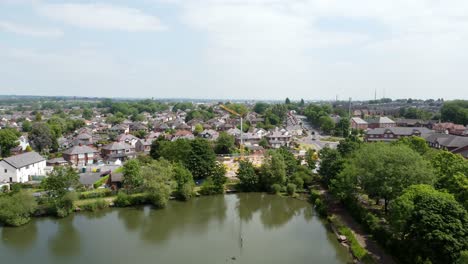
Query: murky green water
(244, 228)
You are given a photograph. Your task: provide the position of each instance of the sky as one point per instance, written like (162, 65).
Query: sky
(235, 49)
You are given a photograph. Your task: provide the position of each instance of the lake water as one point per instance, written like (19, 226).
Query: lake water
(243, 228)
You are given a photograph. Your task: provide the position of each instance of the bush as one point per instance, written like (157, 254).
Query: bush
(125, 200)
(291, 189)
(94, 206)
(122, 200)
(321, 207)
(16, 209)
(100, 193)
(299, 182)
(314, 195)
(275, 188)
(64, 205)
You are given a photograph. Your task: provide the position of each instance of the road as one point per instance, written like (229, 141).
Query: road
(318, 143)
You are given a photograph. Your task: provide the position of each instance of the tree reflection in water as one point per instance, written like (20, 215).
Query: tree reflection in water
(275, 211)
(20, 238)
(66, 231)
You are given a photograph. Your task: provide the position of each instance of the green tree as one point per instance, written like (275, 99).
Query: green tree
(224, 144)
(287, 101)
(8, 140)
(431, 223)
(59, 186)
(342, 127)
(455, 111)
(311, 159)
(417, 144)
(331, 164)
(41, 137)
(201, 160)
(326, 124)
(158, 182)
(26, 126)
(132, 177)
(176, 151)
(264, 143)
(185, 182)
(260, 107)
(198, 129)
(87, 114)
(384, 171)
(38, 117)
(272, 171)
(16, 208)
(249, 180)
(214, 184)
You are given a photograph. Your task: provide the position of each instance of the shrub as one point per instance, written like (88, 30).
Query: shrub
(122, 200)
(275, 188)
(64, 206)
(321, 207)
(16, 209)
(314, 195)
(94, 206)
(100, 193)
(291, 188)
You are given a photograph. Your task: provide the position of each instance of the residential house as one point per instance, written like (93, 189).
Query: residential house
(381, 122)
(143, 145)
(450, 128)
(21, 167)
(117, 151)
(406, 122)
(358, 123)
(84, 139)
(279, 138)
(127, 138)
(395, 133)
(120, 129)
(80, 155)
(452, 143)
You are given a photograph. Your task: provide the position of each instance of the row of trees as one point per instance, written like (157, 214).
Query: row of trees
(455, 111)
(280, 171)
(319, 116)
(423, 193)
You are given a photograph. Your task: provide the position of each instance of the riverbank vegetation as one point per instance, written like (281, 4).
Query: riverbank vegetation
(412, 199)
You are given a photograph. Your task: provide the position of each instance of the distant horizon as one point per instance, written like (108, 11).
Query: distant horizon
(212, 99)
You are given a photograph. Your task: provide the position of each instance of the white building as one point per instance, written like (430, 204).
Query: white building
(20, 167)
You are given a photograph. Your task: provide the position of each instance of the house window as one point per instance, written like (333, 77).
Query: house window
(27, 167)
(6, 170)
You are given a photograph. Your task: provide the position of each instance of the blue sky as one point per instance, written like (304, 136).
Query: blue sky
(252, 49)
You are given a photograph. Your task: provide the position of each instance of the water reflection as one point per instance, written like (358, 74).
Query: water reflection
(274, 211)
(66, 241)
(158, 226)
(20, 238)
(132, 218)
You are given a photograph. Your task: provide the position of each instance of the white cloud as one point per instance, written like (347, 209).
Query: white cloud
(28, 30)
(102, 16)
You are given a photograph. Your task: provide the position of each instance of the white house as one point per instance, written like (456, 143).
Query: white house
(18, 168)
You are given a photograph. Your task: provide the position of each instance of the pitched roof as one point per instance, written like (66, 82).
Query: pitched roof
(359, 121)
(79, 150)
(404, 131)
(116, 146)
(24, 159)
